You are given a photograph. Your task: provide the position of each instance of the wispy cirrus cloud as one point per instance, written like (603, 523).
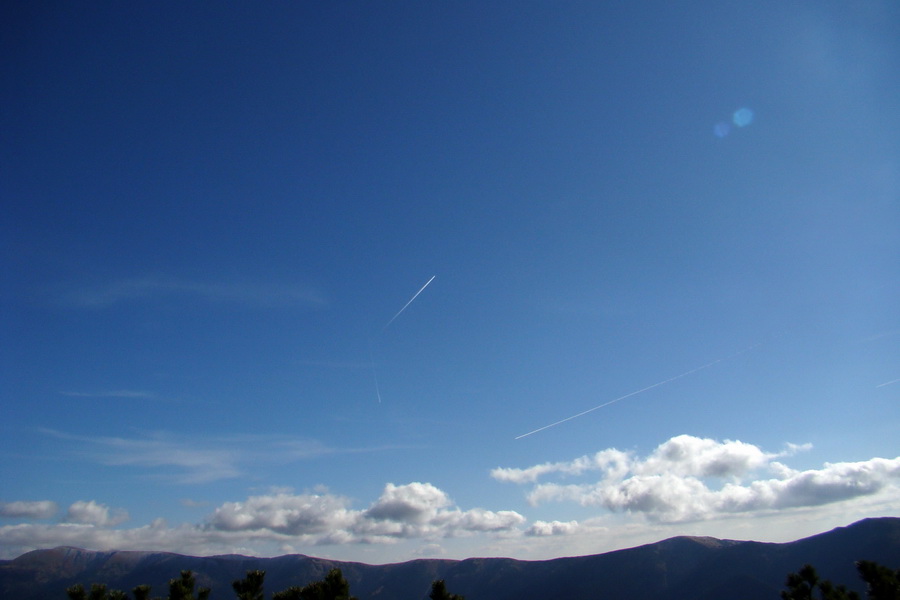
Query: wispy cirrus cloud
(25, 509)
(123, 394)
(689, 478)
(199, 459)
(151, 287)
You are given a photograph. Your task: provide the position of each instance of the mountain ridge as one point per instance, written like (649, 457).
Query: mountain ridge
(677, 568)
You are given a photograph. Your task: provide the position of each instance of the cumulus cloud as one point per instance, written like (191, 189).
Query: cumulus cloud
(611, 460)
(687, 455)
(93, 513)
(421, 510)
(40, 509)
(413, 510)
(544, 528)
(690, 478)
(698, 484)
(287, 514)
(280, 520)
(413, 503)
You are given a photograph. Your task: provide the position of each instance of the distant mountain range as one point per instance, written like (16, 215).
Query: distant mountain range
(680, 568)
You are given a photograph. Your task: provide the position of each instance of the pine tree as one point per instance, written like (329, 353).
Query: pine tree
(250, 587)
(439, 592)
(882, 583)
(333, 587)
(183, 589)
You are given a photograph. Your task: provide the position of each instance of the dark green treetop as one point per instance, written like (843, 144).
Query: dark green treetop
(251, 586)
(439, 592)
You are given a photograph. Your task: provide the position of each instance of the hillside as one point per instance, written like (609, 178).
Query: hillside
(681, 568)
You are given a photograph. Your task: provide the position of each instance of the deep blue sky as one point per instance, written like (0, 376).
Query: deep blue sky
(210, 212)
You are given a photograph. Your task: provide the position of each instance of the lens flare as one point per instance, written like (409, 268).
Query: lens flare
(742, 117)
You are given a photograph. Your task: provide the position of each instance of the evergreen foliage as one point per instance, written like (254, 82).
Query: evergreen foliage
(333, 587)
(250, 587)
(882, 583)
(98, 592)
(141, 592)
(183, 588)
(439, 592)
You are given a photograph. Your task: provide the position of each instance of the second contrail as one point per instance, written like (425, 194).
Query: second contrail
(386, 325)
(640, 391)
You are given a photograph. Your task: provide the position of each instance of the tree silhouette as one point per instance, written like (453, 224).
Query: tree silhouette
(250, 587)
(183, 589)
(882, 583)
(439, 592)
(141, 592)
(76, 592)
(333, 587)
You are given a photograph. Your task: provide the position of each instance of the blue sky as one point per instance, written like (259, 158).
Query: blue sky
(211, 213)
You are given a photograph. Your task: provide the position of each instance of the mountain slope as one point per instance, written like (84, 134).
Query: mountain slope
(681, 568)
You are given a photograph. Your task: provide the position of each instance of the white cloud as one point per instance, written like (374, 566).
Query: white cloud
(685, 486)
(306, 514)
(544, 528)
(421, 510)
(703, 457)
(40, 509)
(93, 513)
(411, 503)
(480, 520)
(411, 511)
(414, 511)
(688, 478)
(611, 460)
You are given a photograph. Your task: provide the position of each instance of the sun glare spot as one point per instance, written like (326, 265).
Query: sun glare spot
(742, 117)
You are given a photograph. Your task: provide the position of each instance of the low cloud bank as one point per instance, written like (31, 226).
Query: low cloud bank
(414, 511)
(411, 511)
(685, 479)
(690, 478)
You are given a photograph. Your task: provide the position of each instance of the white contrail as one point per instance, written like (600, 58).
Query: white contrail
(408, 303)
(881, 385)
(374, 372)
(377, 390)
(649, 387)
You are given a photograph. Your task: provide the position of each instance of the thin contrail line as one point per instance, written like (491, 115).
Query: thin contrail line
(377, 390)
(408, 303)
(374, 372)
(649, 387)
(886, 383)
